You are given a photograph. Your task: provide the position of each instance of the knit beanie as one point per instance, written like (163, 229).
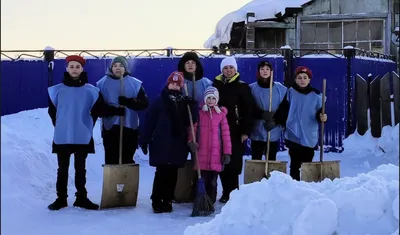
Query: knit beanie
(211, 92)
(303, 69)
(123, 61)
(228, 61)
(176, 77)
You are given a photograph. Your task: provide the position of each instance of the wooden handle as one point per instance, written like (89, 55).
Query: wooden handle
(269, 133)
(321, 154)
(121, 122)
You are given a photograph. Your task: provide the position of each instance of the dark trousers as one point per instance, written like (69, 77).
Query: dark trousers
(230, 175)
(210, 182)
(164, 183)
(298, 154)
(80, 174)
(259, 148)
(111, 145)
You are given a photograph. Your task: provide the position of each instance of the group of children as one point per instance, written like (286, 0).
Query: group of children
(225, 112)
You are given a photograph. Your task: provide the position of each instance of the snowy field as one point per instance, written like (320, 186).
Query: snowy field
(364, 201)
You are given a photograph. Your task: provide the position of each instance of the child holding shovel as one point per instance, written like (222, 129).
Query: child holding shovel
(300, 111)
(166, 135)
(214, 141)
(261, 93)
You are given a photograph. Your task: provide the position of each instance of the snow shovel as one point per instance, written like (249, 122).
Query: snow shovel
(186, 175)
(120, 181)
(256, 170)
(318, 171)
(202, 206)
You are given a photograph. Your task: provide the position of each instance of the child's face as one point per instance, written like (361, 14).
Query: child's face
(265, 72)
(211, 101)
(118, 69)
(302, 80)
(174, 86)
(74, 69)
(190, 66)
(229, 71)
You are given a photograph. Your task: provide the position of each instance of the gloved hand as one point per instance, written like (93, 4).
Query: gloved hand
(268, 116)
(269, 125)
(226, 159)
(119, 111)
(193, 146)
(188, 100)
(144, 148)
(122, 100)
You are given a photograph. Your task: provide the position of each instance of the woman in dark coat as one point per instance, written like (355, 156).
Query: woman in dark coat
(166, 135)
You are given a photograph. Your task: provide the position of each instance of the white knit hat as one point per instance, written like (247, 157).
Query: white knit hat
(211, 92)
(228, 61)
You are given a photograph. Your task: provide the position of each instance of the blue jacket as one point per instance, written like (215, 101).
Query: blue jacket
(166, 129)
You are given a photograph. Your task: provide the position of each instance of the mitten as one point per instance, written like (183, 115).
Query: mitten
(193, 146)
(122, 100)
(119, 111)
(144, 148)
(226, 158)
(269, 125)
(268, 116)
(188, 100)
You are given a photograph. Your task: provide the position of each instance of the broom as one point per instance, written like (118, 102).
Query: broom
(202, 205)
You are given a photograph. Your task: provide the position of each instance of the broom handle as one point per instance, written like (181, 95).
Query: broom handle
(269, 133)
(193, 135)
(121, 121)
(321, 153)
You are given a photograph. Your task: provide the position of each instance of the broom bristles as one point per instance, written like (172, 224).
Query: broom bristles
(202, 206)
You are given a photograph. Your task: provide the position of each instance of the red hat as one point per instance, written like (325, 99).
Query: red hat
(304, 69)
(76, 58)
(176, 77)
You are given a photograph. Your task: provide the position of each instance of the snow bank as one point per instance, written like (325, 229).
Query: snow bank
(386, 146)
(366, 204)
(263, 9)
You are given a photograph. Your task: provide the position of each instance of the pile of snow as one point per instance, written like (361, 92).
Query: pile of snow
(366, 204)
(386, 146)
(263, 9)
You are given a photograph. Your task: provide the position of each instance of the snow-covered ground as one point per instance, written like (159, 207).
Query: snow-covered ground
(365, 203)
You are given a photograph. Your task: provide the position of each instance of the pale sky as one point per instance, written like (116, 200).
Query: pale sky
(106, 24)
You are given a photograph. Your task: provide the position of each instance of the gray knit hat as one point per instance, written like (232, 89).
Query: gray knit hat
(123, 61)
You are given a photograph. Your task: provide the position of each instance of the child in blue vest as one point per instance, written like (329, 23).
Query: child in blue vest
(74, 106)
(260, 91)
(300, 112)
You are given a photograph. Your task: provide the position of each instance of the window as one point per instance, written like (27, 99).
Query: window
(267, 38)
(334, 35)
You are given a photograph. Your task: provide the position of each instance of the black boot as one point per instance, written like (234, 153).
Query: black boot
(224, 199)
(58, 204)
(167, 206)
(85, 203)
(158, 206)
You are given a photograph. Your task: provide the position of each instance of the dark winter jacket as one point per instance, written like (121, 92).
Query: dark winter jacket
(99, 109)
(166, 129)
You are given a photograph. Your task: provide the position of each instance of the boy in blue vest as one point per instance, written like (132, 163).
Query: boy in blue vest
(74, 106)
(300, 112)
(134, 99)
(260, 92)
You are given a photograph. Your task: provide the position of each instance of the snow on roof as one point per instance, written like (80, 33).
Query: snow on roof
(263, 9)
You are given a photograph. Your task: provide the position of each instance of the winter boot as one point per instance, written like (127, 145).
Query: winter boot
(158, 206)
(85, 203)
(58, 204)
(224, 199)
(167, 205)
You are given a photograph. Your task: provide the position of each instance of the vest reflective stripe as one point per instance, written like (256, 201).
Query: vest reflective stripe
(261, 96)
(110, 89)
(74, 124)
(302, 125)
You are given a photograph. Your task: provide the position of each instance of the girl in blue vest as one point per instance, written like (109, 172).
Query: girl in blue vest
(134, 99)
(74, 106)
(300, 112)
(190, 64)
(260, 92)
(166, 135)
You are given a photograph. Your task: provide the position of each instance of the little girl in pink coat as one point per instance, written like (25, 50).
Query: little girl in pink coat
(214, 141)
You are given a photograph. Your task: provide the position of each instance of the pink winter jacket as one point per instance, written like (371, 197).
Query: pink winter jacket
(214, 139)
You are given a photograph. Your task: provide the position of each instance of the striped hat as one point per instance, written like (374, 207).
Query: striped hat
(211, 92)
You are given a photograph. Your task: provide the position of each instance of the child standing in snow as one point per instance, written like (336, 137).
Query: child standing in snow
(166, 135)
(214, 141)
(300, 112)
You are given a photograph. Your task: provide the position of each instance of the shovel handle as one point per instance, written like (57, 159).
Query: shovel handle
(269, 133)
(321, 153)
(121, 121)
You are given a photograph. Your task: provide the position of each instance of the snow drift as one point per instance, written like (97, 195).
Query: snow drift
(263, 9)
(366, 204)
